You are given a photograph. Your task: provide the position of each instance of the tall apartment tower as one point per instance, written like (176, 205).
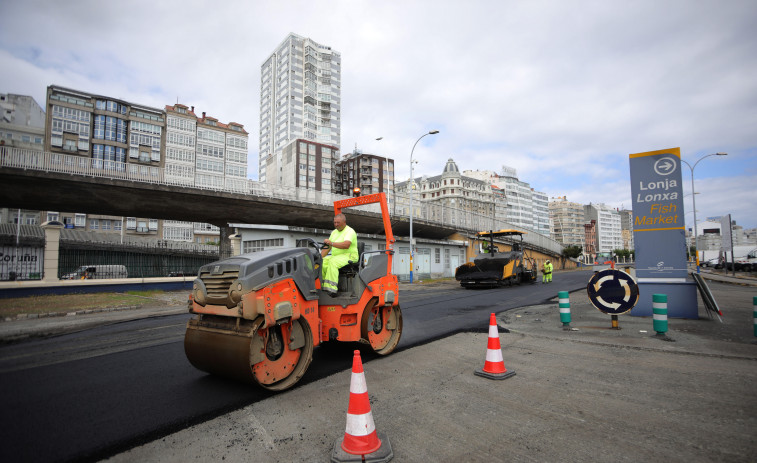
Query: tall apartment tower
(300, 98)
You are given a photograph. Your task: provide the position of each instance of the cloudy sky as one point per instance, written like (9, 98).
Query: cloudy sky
(563, 91)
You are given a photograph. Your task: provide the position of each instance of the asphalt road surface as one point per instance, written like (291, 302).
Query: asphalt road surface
(92, 394)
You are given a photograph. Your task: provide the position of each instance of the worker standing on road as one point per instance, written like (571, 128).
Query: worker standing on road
(343, 246)
(546, 272)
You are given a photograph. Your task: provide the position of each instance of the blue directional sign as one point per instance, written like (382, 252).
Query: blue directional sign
(613, 291)
(658, 226)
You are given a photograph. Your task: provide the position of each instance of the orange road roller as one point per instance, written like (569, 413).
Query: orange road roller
(258, 316)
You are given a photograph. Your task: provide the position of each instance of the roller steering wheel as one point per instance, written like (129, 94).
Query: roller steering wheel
(318, 245)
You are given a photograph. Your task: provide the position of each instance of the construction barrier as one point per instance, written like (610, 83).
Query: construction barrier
(564, 302)
(660, 313)
(494, 366)
(360, 442)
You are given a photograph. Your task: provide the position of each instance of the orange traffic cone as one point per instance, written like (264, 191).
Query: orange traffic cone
(361, 442)
(494, 367)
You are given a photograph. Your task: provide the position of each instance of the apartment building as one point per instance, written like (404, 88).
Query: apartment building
(181, 144)
(369, 172)
(204, 152)
(307, 164)
(608, 226)
(107, 130)
(452, 189)
(541, 212)
(567, 219)
(22, 124)
(710, 236)
(112, 134)
(590, 238)
(300, 98)
(525, 207)
(626, 228)
(105, 133)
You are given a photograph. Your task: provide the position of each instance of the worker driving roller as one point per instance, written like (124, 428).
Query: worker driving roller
(343, 246)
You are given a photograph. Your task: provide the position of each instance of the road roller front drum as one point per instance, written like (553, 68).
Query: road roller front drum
(274, 358)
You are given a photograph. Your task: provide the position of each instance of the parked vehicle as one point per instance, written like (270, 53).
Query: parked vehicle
(748, 263)
(97, 272)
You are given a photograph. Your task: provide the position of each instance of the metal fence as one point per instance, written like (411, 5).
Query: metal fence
(463, 220)
(76, 261)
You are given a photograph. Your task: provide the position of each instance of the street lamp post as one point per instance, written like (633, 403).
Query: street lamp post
(410, 185)
(694, 201)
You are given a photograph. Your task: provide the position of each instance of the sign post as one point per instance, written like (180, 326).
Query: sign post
(613, 292)
(726, 242)
(659, 233)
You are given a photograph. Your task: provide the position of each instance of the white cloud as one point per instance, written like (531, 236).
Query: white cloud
(562, 91)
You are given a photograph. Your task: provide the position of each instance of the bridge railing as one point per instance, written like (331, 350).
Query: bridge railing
(463, 220)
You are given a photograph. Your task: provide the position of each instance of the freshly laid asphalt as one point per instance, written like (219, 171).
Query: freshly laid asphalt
(587, 394)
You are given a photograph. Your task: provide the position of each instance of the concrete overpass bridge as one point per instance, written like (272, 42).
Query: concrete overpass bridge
(52, 181)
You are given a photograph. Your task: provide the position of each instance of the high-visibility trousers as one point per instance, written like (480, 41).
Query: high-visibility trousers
(330, 271)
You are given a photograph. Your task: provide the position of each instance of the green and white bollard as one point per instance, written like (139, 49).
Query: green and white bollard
(660, 313)
(754, 313)
(564, 301)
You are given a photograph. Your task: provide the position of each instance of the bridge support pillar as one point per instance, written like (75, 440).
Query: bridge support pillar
(224, 242)
(236, 244)
(52, 250)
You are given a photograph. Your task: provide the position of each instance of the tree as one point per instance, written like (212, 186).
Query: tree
(622, 253)
(571, 251)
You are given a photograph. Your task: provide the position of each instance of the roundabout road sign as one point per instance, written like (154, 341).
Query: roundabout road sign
(613, 291)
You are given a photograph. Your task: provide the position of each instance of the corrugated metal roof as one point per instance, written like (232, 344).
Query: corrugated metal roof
(31, 231)
(80, 236)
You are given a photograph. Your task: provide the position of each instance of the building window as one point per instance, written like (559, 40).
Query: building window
(261, 245)
(80, 220)
(52, 216)
(446, 258)
(117, 225)
(106, 224)
(94, 224)
(131, 223)
(153, 224)
(437, 256)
